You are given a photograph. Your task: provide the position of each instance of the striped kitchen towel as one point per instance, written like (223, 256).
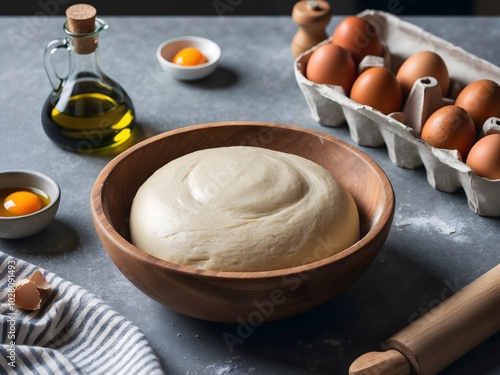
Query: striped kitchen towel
(73, 332)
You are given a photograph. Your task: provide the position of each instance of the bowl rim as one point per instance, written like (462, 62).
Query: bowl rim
(383, 216)
(188, 38)
(53, 201)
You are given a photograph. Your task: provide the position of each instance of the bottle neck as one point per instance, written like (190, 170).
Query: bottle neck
(85, 63)
(84, 49)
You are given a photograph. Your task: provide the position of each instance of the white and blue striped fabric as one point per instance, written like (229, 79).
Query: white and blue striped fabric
(74, 332)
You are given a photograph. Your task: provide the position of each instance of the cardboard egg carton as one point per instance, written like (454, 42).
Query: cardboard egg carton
(400, 131)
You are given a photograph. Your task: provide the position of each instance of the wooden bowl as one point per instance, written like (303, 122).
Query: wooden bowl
(241, 296)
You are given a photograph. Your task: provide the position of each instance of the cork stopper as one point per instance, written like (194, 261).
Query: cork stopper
(81, 20)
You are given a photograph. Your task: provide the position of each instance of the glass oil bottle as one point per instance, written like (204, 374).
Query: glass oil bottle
(87, 111)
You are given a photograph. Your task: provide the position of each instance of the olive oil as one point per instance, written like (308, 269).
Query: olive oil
(89, 121)
(86, 111)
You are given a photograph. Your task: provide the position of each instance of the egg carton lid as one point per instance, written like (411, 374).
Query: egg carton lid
(399, 131)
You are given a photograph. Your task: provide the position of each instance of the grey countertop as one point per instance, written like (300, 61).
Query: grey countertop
(436, 245)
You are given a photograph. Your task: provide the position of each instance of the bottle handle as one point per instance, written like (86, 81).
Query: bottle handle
(55, 79)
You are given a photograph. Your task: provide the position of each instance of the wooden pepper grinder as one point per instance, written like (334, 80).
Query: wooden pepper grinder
(312, 18)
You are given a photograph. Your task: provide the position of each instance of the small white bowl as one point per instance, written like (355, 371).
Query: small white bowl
(167, 50)
(27, 225)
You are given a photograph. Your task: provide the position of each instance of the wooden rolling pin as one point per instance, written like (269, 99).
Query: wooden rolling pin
(442, 335)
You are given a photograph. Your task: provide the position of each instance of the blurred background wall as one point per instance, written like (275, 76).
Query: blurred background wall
(251, 7)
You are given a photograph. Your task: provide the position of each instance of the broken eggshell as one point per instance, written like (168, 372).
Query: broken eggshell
(27, 291)
(41, 284)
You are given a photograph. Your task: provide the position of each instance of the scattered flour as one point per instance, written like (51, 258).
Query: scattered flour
(432, 223)
(231, 366)
(428, 222)
(219, 370)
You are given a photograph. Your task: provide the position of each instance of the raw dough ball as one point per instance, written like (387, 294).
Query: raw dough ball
(242, 209)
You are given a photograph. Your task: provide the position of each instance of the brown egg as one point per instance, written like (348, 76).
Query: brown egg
(484, 157)
(450, 127)
(481, 99)
(423, 64)
(331, 64)
(358, 37)
(378, 88)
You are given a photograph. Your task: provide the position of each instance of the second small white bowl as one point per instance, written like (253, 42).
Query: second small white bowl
(26, 225)
(167, 50)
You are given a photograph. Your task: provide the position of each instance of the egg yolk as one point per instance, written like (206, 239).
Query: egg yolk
(189, 56)
(22, 203)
